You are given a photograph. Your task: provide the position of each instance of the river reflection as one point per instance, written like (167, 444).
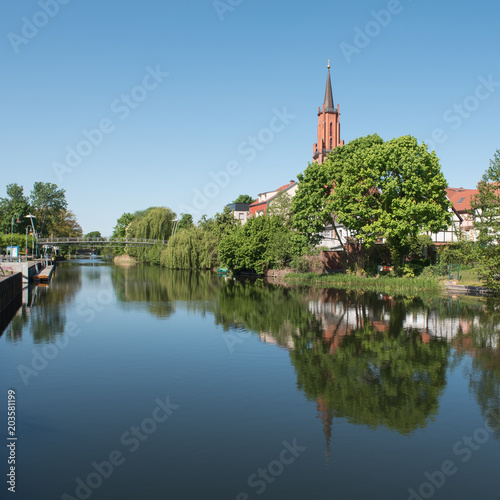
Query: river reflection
(373, 359)
(43, 307)
(387, 387)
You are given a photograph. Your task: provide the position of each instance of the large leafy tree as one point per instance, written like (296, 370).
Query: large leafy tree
(389, 191)
(154, 223)
(49, 204)
(120, 230)
(191, 248)
(244, 198)
(68, 225)
(221, 225)
(263, 242)
(485, 208)
(186, 222)
(15, 205)
(94, 234)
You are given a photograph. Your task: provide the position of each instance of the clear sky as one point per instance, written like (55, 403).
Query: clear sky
(128, 104)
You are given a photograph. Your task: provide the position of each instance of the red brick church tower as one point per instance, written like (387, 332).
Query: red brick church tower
(328, 125)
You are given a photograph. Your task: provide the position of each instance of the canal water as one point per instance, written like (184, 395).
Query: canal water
(146, 384)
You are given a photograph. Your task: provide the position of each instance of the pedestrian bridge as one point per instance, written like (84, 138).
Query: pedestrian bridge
(98, 241)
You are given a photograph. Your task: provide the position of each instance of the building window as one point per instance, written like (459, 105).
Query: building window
(331, 129)
(331, 143)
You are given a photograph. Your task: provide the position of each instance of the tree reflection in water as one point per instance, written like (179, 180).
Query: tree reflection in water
(45, 307)
(156, 290)
(371, 359)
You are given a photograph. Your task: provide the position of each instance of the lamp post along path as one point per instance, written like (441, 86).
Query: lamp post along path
(31, 217)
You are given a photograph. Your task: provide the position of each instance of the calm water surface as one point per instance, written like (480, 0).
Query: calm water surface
(148, 384)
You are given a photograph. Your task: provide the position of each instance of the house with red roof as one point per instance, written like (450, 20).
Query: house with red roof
(261, 204)
(462, 222)
(461, 199)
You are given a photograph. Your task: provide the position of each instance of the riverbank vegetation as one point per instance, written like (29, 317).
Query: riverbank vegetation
(386, 284)
(402, 197)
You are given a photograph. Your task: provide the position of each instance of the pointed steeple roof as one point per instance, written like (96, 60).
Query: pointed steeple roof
(328, 92)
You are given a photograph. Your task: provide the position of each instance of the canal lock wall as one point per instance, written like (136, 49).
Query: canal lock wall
(10, 287)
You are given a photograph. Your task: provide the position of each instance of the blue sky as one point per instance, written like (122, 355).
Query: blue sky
(162, 98)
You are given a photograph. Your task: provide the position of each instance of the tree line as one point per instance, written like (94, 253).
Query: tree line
(392, 191)
(48, 206)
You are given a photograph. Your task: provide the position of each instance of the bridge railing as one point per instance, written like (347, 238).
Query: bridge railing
(95, 241)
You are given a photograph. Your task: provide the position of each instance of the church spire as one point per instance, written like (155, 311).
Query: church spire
(328, 91)
(328, 125)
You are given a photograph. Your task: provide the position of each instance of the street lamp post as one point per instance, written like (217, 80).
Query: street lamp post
(175, 221)
(31, 217)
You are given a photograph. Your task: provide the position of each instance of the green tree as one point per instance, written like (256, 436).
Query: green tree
(48, 203)
(191, 248)
(244, 198)
(120, 230)
(263, 242)
(67, 225)
(389, 191)
(154, 223)
(13, 206)
(186, 222)
(222, 225)
(281, 207)
(485, 209)
(93, 234)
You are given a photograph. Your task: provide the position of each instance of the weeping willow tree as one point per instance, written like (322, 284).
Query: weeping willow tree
(155, 223)
(193, 248)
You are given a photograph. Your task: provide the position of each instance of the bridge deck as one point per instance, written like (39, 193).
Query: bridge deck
(99, 241)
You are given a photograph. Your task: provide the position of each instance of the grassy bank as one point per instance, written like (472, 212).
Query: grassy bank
(382, 284)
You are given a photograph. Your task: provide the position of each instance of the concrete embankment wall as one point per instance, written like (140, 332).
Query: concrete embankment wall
(10, 287)
(27, 268)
